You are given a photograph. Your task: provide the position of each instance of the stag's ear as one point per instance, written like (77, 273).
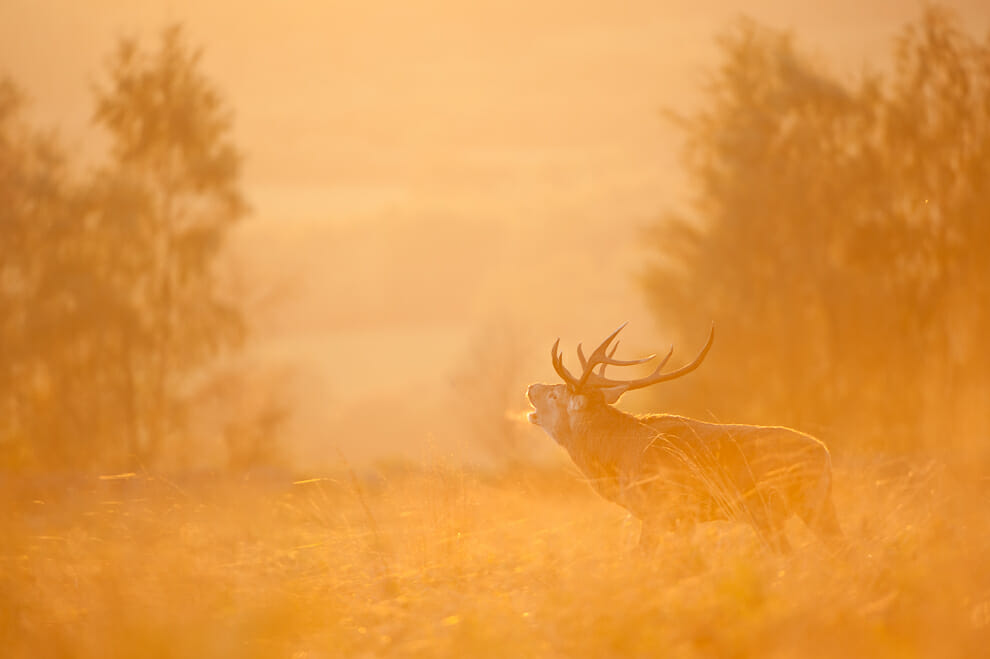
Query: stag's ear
(612, 394)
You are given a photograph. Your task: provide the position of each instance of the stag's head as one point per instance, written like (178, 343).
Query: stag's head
(555, 406)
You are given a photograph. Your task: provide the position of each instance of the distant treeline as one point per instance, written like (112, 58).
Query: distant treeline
(109, 295)
(840, 238)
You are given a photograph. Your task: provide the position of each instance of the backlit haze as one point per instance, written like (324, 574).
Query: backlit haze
(431, 181)
(276, 405)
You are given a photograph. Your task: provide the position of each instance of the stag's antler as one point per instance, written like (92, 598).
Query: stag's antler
(604, 357)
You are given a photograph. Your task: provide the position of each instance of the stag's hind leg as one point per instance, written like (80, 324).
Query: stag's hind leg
(649, 535)
(818, 511)
(779, 514)
(825, 523)
(774, 517)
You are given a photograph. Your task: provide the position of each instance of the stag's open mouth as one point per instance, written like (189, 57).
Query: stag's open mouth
(533, 417)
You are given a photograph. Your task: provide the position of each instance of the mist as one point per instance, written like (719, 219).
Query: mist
(275, 279)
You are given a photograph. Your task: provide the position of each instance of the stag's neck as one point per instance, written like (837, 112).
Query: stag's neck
(606, 434)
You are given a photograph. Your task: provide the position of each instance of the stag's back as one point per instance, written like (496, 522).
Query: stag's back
(765, 461)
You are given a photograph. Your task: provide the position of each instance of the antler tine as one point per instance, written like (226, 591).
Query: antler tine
(603, 356)
(600, 355)
(599, 380)
(657, 376)
(666, 359)
(627, 362)
(611, 353)
(608, 359)
(584, 360)
(558, 365)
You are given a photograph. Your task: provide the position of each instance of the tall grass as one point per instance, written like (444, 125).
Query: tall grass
(441, 561)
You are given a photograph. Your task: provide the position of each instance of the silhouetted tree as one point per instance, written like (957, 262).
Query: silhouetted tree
(171, 193)
(108, 289)
(34, 221)
(839, 236)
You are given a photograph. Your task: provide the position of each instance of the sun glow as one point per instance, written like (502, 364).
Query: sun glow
(275, 278)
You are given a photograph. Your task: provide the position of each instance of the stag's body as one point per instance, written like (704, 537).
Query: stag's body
(669, 470)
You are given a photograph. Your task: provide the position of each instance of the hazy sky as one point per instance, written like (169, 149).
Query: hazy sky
(419, 169)
(346, 108)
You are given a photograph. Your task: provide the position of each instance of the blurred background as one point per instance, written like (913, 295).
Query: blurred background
(246, 234)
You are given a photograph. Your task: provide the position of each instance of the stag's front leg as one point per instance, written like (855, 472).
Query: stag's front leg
(768, 514)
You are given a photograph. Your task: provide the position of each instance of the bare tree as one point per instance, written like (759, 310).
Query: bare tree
(668, 469)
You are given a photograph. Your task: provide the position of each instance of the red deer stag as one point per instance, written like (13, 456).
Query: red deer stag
(667, 469)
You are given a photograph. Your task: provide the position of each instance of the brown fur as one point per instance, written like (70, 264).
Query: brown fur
(667, 469)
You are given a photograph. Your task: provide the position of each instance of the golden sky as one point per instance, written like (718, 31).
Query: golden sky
(422, 170)
(346, 108)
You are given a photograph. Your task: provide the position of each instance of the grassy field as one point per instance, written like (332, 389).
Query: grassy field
(436, 560)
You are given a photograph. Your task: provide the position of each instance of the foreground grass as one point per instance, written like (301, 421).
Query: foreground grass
(439, 561)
